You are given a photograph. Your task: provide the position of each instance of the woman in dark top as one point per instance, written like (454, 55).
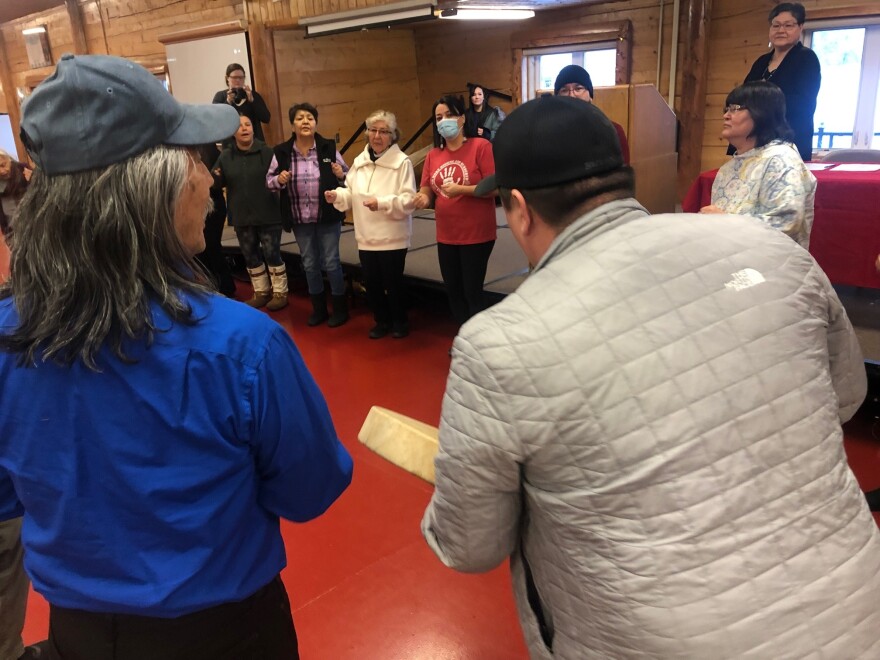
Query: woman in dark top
(241, 97)
(481, 119)
(795, 69)
(253, 212)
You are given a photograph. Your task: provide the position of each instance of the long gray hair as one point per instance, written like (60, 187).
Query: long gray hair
(90, 251)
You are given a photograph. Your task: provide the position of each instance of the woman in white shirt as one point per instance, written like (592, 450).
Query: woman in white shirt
(380, 189)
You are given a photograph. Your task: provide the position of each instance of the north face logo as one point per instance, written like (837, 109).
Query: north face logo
(743, 279)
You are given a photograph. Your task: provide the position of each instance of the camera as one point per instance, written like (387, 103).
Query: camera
(239, 96)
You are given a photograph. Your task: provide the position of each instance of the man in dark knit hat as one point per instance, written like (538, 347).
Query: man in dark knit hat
(649, 427)
(575, 81)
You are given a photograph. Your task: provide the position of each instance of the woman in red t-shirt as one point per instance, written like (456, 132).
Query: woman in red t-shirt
(465, 223)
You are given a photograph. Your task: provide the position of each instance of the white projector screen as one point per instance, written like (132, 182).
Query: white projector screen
(198, 68)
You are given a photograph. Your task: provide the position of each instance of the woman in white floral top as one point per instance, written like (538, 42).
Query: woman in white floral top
(766, 178)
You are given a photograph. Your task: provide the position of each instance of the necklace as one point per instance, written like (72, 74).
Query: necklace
(768, 74)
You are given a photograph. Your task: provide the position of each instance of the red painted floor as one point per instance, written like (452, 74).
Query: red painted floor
(362, 582)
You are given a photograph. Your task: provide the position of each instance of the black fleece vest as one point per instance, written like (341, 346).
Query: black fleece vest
(328, 181)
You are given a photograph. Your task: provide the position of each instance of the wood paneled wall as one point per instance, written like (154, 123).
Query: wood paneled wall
(451, 53)
(348, 76)
(282, 10)
(739, 34)
(404, 70)
(128, 28)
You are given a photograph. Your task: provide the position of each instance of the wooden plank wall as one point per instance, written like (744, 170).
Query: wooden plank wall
(128, 28)
(348, 76)
(738, 36)
(406, 69)
(279, 10)
(450, 53)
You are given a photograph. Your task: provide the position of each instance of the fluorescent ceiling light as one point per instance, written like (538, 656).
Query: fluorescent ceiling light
(407, 11)
(486, 14)
(36, 30)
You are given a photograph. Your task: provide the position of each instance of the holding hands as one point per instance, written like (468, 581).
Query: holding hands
(337, 170)
(284, 177)
(452, 189)
(421, 200)
(331, 196)
(711, 209)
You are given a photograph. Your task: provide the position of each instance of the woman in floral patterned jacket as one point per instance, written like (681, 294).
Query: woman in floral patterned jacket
(766, 177)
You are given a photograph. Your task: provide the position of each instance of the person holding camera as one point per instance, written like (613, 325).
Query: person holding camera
(245, 100)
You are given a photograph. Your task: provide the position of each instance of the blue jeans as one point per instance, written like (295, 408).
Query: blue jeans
(319, 249)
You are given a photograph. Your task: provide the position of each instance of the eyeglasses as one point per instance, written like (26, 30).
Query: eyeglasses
(236, 77)
(788, 27)
(378, 131)
(733, 107)
(570, 90)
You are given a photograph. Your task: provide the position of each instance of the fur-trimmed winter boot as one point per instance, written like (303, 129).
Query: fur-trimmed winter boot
(262, 286)
(340, 311)
(279, 288)
(319, 309)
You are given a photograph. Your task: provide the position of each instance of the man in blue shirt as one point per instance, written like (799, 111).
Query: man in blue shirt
(152, 432)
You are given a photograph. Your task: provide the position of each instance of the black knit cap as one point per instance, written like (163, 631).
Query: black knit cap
(550, 141)
(573, 74)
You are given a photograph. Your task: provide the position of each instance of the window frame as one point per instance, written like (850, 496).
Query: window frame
(867, 109)
(568, 39)
(532, 62)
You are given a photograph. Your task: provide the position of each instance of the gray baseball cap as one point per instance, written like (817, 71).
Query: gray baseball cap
(96, 110)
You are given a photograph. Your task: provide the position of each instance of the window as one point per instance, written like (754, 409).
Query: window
(848, 107)
(7, 140)
(542, 65)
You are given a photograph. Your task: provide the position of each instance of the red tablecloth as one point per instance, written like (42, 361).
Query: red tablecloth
(845, 239)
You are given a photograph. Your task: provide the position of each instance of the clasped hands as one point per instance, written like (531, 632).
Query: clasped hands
(331, 196)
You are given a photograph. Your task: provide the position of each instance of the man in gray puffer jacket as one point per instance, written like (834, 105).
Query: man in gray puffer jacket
(650, 427)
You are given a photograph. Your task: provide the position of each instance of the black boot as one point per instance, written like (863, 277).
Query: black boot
(319, 309)
(340, 311)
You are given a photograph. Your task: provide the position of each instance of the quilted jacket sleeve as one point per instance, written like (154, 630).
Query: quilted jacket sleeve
(844, 356)
(472, 522)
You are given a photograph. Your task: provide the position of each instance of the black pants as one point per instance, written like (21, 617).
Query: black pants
(258, 628)
(383, 277)
(212, 257)
(260, 244)
(463, 268)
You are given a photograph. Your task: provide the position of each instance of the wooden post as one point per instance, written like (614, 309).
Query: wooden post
(80, 44)
(264, 73)
(13, 107)
(691, 114)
